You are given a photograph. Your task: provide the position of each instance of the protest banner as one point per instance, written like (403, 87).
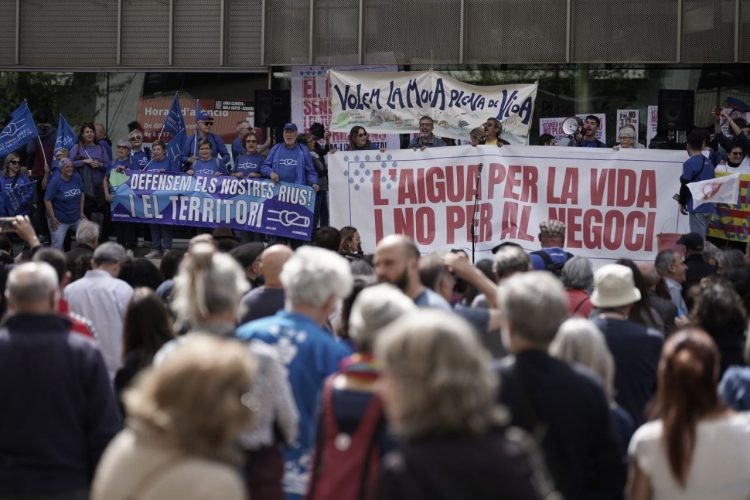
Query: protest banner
(279, 209)
(394, 102)
(731, 220)
(628, 117)
(614, 203)
(311, 102)
(553, 126)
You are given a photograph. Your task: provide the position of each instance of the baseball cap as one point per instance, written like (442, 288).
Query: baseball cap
(290, 126)
(204, 117)
(692, 241)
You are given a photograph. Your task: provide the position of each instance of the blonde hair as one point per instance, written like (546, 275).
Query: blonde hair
(442, 376)
(207, 283)
(193, 400)
(580, 341)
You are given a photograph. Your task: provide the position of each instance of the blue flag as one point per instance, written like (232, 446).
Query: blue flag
(174, 125)
(66, 136)
(18, 131)
(17, 200)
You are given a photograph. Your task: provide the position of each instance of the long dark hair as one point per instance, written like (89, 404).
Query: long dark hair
(641, 309)
(688, 373)
(147, 324)
(353, 133)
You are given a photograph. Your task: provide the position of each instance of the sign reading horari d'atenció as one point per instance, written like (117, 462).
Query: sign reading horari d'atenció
(394, 102)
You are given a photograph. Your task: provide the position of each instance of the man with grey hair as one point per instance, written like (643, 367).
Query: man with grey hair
(87, 237)
(315, 280)
(634, 347)
(563, 407)
(59, 411)
(672, 268)
(103, 298)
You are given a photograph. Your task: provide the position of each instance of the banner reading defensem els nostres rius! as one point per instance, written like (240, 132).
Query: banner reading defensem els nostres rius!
(261, 206)
(394, 103)
(613, 203)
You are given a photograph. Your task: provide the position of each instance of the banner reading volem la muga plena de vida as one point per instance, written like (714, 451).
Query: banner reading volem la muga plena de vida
(261, 206)
(614, 203)
(394, 102)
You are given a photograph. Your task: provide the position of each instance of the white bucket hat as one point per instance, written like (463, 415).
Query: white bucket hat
(614, 287)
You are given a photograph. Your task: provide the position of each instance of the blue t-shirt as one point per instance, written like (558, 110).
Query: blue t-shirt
(310, 354)
(127, 163)
(698, 168)
(65, 197)
(293, 165)
(249, 164)
(208, 167)
(141, 158)
(165, 164)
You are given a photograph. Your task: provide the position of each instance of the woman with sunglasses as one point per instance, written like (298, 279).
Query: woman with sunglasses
(139, 153)
(14, 177)
(359, 140)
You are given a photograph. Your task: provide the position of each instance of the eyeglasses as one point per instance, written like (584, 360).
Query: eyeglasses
(251, 141)
(134, 139)
(14, 162)
(362, 134)
(209, 124)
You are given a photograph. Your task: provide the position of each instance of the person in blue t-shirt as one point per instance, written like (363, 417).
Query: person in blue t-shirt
(206, 163)
(64, 202)
(160, 162)
(205, 122)
(125, 232)
(249, 163)
(696, 168)
(290, 161)
(139, 153)
(590, 127)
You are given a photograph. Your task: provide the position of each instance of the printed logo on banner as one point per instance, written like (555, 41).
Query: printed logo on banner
(261, 206)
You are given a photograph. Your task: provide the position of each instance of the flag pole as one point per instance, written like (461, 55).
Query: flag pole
(195, 142)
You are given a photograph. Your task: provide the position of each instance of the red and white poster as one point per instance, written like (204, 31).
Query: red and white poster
(614, 203)
(152, 111)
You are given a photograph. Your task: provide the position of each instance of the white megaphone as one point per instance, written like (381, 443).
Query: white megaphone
(572, 126)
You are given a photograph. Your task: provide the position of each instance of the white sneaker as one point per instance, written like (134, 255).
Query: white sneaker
(154, 254)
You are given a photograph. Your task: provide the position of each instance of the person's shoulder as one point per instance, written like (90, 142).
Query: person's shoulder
(257, 328)
(648, 432)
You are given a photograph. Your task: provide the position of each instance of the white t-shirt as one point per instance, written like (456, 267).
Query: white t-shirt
(720, 469)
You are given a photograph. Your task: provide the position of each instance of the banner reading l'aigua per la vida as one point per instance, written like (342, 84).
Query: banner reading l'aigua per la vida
(614, 203)
(394, 102)
(261, 206)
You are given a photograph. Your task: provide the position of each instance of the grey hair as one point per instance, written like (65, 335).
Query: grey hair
(375, 308)
(208, 283)
(710, 251)
(663, 260)
(108, 253)
(580, 341)
(441, 375)
(87, 232)
(730, 259)
(313, 274)
(511, 259)
(578, 273)
(31, 282)
(535, 305)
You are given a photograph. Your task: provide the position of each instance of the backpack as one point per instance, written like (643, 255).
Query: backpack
(550, 265)
(346, 465)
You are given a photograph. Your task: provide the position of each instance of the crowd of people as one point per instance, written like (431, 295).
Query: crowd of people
(265, 369)
(259, 371)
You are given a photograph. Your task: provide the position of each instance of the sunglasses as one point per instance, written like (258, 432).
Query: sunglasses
(14, 162)
(251, 141)
(362, 134)
(209, 124)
